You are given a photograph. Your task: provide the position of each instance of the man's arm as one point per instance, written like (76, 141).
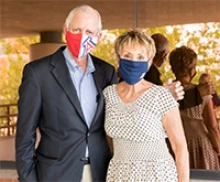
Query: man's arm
(29, 105)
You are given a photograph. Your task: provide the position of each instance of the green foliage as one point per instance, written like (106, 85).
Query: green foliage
(10, 85)
(17, 51)
(105, 47)
(205, 41)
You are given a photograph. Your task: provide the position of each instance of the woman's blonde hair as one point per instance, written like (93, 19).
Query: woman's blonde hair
(136, 37)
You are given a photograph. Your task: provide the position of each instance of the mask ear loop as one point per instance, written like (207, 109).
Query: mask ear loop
(120, 79)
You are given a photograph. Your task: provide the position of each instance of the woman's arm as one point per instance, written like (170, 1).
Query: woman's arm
(173, 126)
(212, 125)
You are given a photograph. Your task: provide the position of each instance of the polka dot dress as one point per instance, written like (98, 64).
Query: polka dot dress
(201, 152)
(140, 150)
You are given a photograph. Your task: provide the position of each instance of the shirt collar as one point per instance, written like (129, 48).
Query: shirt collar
(71, 62)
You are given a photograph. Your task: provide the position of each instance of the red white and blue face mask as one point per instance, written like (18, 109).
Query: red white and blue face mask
(80, 44)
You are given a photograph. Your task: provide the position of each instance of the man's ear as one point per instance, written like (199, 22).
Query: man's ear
(64, 28)
(100, 36)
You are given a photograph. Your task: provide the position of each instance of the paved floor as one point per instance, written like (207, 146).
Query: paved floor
(8, 174)
(11, 176)
(7, 145)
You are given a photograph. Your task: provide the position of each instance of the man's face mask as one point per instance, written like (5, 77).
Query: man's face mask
(80, 44)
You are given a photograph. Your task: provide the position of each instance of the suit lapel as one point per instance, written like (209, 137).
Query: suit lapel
(98, 78)
(61, 73)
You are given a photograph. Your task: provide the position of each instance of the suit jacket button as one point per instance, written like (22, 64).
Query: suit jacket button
(88, 134)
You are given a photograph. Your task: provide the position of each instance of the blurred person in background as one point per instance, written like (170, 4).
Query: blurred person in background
(153, 76)
(204, 79)
(199, 122)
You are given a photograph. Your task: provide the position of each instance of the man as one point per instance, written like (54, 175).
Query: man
(191, 97)
(62, 95)
(153, 75)
(162, 50)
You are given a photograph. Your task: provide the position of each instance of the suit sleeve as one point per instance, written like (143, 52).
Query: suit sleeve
(29, 109)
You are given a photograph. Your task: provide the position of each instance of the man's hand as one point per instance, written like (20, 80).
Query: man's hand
(206, 88)
(175, 88)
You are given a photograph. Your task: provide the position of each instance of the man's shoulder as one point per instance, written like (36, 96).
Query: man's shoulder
(153, 75)
(41, 60)
(40, 64)
(46, 60)
(153, 70)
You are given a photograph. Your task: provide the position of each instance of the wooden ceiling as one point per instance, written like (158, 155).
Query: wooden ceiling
(29, 17)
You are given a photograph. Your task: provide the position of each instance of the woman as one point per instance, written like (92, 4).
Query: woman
(205, 78)
(139, 116)
(199, 122)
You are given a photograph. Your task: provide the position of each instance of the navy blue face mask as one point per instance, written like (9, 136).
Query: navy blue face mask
(132, 71)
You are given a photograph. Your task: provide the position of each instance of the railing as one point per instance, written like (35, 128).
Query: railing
(8, 117)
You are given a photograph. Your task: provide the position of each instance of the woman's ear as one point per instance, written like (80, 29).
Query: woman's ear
(118, 57)
(150, 63)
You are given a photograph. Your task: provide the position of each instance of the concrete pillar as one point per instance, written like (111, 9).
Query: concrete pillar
(49, 43)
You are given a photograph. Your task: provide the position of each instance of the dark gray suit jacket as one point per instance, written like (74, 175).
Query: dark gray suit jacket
(48, 100)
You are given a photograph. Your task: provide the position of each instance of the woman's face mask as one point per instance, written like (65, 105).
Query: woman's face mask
(80, 44)
(132, 71)
(193, 73)
(193, 70)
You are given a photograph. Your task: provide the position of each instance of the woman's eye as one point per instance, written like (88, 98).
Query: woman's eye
(141, 57)
(127, 56)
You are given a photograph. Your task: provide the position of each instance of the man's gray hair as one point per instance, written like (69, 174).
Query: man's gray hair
(83, 8)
